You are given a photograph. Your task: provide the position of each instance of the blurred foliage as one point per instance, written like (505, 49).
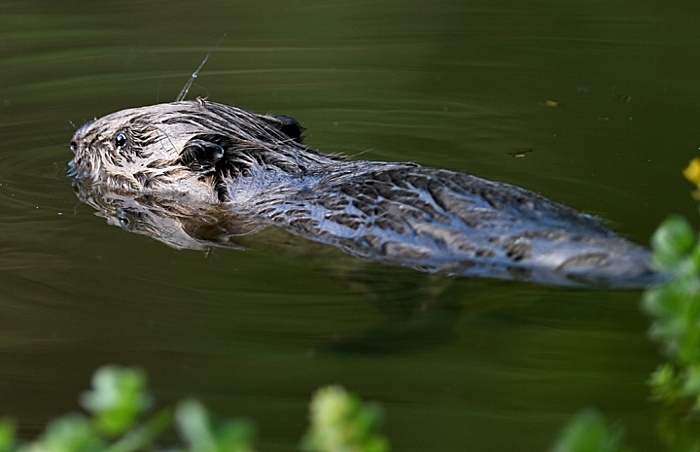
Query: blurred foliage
(587, 432)
(200, 434)
(117, 400)
(121, 421)
(675, 311)
(674, 308)
(341, 422)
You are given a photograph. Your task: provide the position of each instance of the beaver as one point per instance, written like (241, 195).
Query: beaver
(198, 155)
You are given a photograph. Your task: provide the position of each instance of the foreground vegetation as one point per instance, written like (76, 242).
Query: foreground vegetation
(118, 405)
(120, 415)
(674, 309)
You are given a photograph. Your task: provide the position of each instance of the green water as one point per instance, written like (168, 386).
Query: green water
(457, 364)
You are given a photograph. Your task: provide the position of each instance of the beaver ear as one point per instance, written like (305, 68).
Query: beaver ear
(286, 125)
(204, 151)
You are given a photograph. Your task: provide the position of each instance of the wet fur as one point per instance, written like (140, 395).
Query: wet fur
(255, 166)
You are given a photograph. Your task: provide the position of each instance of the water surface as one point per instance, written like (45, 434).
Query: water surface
(599, 100)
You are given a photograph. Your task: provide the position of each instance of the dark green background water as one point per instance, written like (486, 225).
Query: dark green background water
(457, 364)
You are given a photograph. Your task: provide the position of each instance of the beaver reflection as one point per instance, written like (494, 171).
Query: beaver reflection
(197, 173)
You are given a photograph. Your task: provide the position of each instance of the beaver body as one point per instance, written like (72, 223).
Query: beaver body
(208, 155)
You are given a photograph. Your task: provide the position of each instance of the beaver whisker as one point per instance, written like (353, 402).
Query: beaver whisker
(195, 74)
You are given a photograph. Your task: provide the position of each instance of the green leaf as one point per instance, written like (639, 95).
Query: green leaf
(666, 384)
(70, 433)
(197, 431)
(117, 400)
(192, 421)
(235, 436)
(587, 432)
(663, 302)
(7, 435)
(672, 243)
(691, 385)
(341, 422)
(141, 437)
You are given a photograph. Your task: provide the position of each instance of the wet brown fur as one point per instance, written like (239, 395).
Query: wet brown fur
(201, 153)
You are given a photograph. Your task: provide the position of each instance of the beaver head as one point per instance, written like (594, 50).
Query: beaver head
(187, 147)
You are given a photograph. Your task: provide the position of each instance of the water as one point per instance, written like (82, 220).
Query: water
(457, 364)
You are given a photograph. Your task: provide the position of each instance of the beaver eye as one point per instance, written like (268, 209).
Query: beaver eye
(124, 222)
(120, 140)
(124, 217)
